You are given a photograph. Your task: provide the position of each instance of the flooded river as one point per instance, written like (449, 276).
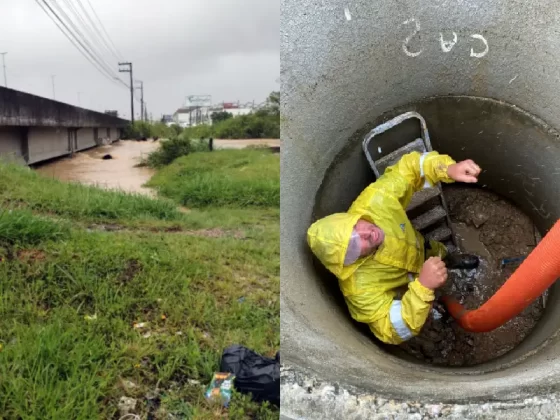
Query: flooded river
(120, 172)
(117, 173)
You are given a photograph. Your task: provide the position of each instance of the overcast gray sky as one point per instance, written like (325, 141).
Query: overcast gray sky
(229, 49)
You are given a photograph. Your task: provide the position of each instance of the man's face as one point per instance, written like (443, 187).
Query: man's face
(371, 236)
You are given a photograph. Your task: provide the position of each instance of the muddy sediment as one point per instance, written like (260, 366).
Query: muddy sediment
(121, 171)
(493, 229)
(92, 168)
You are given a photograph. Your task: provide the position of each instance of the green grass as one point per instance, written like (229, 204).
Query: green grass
(20, 186)
(18, 226)
(71, 294)
(241, 178)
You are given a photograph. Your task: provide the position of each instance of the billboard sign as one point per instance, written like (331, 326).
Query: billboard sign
(198, 100)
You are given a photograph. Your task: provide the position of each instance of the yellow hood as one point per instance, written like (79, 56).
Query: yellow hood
(328, 239)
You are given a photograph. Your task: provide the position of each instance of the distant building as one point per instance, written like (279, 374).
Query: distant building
(191, 116)
(195, 111)
(236, 109)
(112, 113)
(167, 119)
(198, 110)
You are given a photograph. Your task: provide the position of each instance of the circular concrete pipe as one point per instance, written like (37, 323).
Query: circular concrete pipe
(485, 76)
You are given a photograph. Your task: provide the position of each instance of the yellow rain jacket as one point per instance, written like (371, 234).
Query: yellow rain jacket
(370, 285)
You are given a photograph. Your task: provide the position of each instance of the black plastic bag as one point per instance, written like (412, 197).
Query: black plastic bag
(254, 374)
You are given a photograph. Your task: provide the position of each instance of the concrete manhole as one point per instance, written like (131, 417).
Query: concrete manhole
(518, 154)
(478, 72)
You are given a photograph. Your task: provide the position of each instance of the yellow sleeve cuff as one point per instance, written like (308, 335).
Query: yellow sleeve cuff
(440, 168)
(427, 295)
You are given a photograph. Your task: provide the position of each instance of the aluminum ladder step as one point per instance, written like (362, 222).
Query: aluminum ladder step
(422, 197)
(440, 234)
(434, 222)
(429, 218)
(393, 157)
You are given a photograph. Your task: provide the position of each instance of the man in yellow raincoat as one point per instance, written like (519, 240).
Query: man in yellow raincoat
(374, 250)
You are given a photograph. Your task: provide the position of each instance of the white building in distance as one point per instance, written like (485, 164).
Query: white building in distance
(236, 109)
(198, 110)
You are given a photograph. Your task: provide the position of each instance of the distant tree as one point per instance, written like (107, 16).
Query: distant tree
(177, 129)
(220, 116)
(274, 98)
(273, 103)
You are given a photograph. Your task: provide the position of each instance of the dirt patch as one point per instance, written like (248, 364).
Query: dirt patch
(173, 229)
(494, 229)
(13, 203)
(130, 271)
(215, 233)
(207, 233)
(31, 255)
(106, 227)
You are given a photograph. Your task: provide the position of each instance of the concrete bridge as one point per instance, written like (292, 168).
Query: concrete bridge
(35, 129)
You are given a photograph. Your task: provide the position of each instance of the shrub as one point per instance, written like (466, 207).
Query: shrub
(170, 150)
(202, 131)
(144, 129)
(261, 124)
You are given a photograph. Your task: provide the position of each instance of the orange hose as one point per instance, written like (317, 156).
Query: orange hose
(535, 274)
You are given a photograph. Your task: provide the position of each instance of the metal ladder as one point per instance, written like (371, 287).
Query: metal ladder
(427, 210)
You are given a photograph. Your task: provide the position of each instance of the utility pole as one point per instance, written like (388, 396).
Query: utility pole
(52, 76)
(129, 70)
(142, 114)
(4, 64)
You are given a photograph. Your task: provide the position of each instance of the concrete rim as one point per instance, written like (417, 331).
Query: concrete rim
(396, 377)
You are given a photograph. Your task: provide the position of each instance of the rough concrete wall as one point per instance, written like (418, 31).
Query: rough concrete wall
(47, 143)
(23, 109)
(113, 134)
(86, 138)
(10, 142)
(105, 133)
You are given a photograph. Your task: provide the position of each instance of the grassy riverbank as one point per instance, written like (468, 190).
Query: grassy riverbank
(82, 268)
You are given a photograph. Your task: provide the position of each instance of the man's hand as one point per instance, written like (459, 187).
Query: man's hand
(465, 171)
(433, 274)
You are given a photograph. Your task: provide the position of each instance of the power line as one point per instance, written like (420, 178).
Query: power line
(84, 52)
(95, 53)
(94, 34)
(59, 25)
(97, 32)
(92, 31)
(118, 55)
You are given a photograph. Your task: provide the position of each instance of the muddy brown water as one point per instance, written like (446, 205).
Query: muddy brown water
(120, 172)
(493, 229)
